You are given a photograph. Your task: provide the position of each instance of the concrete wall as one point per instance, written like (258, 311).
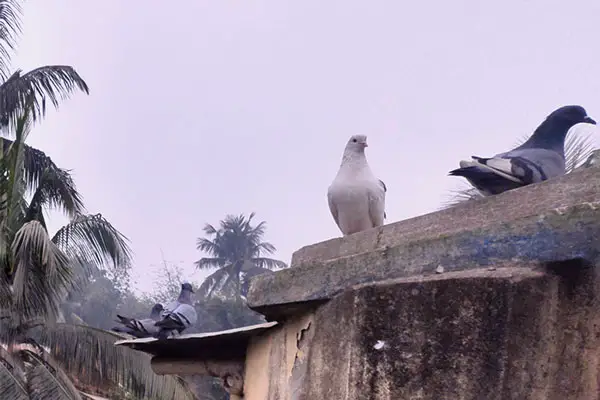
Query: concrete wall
(497, 299)
(506, 333)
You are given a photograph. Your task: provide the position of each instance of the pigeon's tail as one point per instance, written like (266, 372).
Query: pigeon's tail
(122, 319)
(139, 328)
(133, 332)
(487, 182)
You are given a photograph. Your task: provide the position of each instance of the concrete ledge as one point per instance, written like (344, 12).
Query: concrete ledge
(555, 235)
(575, 188)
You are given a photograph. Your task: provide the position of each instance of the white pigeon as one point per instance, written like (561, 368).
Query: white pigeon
(356, 197)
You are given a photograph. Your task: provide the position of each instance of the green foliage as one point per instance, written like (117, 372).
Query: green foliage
(37, 272)
(41, 268)
(235, 248)
(95, 303)
(29, 92)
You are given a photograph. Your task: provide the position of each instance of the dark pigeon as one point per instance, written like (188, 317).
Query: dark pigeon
(178, 315)
(540, 158)
(140, 328)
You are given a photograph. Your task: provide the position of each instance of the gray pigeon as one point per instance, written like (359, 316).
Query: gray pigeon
(140, 328)
(178, 315)
(356, 197)
(540, 158)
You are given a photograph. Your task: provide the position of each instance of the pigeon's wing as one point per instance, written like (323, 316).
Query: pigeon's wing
(376, 199)
(333, 207)
(144, 325)
(181, 318)
(122, 319)
(187, 314)
(170, 322)
(168, 308)
(525, 165)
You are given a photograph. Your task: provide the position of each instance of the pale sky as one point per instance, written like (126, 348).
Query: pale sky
(205, 108)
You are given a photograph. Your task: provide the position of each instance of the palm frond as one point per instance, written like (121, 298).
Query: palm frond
(15, 188)
(209, 229)
(45, 379)
(31, 91)
(10, 28)
(268, 263)
(42, 275)
(207, 245)
(89, 355)
(579, 146)
(264, 247)
(12, 377)
(459, 196)
(36, 164)
(216, 282)
(91, 239)
(55, 189)
(5, 288)
(78, 320)
(210, 262)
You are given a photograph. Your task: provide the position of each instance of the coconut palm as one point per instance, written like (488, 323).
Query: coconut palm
(37, 271)
(578, 148)
(74, 361)
(31, 90)
(39, 268)
(236, 249)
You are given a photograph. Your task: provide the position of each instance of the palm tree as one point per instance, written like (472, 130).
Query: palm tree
(30, 91)
(578, 148)
(75, 361)
(39, 269)
(236, 249)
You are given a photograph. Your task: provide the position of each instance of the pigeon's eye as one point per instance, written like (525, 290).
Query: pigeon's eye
(354, 140)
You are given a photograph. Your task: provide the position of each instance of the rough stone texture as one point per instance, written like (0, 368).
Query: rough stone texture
(593, 160)
(558, 235)
(504, 334)
(575, 188)
(281, 352)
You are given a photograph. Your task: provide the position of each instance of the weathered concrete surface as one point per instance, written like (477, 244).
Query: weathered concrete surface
(215, 354)
(276, 361)
(575, 188)
(504, 334)
(557, 235)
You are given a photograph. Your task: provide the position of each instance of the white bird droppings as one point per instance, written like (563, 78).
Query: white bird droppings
(379, 345)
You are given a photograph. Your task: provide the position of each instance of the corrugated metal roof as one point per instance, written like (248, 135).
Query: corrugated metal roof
(223, 344)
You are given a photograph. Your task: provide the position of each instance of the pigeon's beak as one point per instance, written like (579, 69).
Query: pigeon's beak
(589, 120)
(365, 144)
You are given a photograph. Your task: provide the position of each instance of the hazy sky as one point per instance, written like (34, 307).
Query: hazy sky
(206, 108)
